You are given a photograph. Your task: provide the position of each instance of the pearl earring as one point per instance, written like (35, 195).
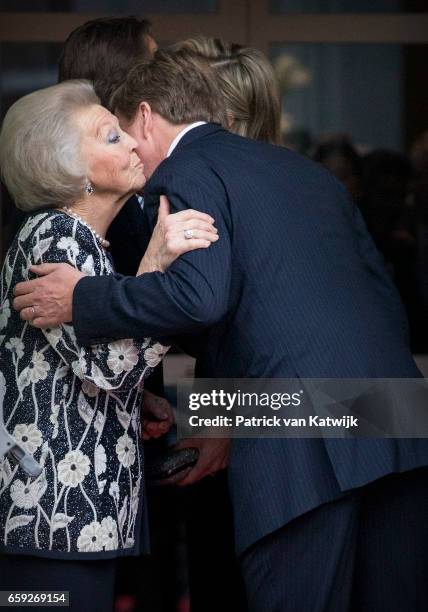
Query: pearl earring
(89, 189)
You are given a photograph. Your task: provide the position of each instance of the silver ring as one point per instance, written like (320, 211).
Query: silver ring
(188, 234)
(33, 308)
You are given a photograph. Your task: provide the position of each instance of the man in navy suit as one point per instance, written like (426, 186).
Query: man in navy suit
(293, 288)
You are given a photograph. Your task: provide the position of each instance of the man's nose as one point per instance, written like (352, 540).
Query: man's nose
(132, 143)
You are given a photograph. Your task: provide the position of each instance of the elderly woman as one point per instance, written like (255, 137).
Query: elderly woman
(65, 161)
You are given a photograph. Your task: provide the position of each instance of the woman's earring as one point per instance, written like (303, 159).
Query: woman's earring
(89, 189)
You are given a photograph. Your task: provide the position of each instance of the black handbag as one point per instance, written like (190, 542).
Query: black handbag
(171, 466)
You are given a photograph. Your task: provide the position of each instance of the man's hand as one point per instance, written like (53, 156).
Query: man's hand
(213, 456)
(47, 301)
(158, 416)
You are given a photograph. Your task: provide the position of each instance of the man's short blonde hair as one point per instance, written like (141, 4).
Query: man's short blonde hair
(40, 153)
(181, 87)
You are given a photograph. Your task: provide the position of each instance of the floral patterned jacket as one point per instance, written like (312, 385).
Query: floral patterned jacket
(77, 410)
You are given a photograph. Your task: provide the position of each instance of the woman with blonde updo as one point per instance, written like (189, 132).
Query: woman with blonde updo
(248, 85)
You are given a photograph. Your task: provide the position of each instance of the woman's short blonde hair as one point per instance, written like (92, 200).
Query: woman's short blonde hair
(248, 84)
(40, 153)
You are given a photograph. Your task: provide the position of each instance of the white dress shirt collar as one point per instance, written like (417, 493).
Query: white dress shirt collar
(180, 135)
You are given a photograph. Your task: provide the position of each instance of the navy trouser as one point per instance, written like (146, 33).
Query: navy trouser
(366, 552)
(91, 583)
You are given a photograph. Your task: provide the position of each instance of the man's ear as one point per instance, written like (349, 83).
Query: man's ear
(145, 117)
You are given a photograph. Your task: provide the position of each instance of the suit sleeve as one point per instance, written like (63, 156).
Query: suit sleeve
(191, 295)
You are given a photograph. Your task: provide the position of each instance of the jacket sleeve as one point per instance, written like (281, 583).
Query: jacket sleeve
(193, 293)
(110, 366)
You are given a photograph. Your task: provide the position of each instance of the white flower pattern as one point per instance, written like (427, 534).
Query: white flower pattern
(109, 535)
(29, 226)
(45, 226)
(100, 460)
(29, 436)
(99, 422)
(69, 244)
(61, 402)
(155, 354)
(73, 468)
(123, 356)
(53, 335)
(114, 491)
(4, 314)
(23, 379)
(16, 346)
(38, 368)
(25, 496)
(90, 538)
(125, 449)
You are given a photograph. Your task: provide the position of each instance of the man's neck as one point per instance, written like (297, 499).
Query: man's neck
(172, 133)
(184, 130)
(165, 137)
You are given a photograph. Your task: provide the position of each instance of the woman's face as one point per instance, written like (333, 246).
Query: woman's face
(114, 168)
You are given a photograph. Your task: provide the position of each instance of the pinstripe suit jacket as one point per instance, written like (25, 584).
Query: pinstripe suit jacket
(293, 288)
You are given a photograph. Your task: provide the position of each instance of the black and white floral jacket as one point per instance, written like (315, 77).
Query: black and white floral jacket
(77, 410)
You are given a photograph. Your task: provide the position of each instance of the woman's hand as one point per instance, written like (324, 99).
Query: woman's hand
(168, 240)
(158, 416)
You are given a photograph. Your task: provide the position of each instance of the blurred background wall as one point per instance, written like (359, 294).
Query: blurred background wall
(354, 87)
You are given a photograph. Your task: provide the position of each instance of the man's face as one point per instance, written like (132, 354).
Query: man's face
(147, 149)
